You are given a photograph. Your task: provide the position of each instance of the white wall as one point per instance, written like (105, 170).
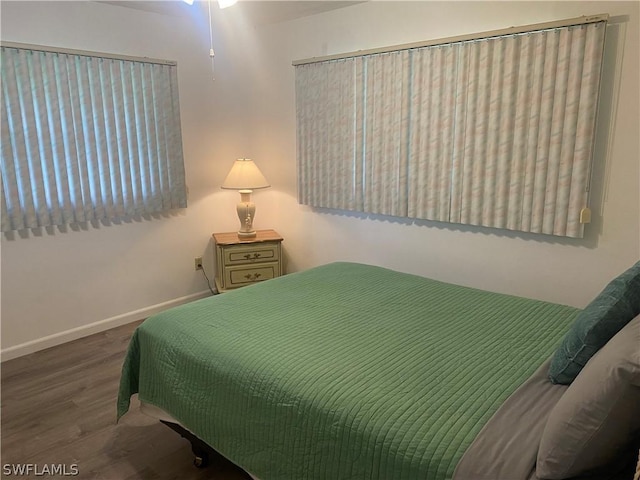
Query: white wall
(61, 285)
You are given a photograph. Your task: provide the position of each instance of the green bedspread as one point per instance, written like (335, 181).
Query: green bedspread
(345, 371)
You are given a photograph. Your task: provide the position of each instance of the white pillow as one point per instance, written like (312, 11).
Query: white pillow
(599, 414)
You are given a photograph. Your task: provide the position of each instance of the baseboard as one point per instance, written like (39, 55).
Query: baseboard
(96, 327)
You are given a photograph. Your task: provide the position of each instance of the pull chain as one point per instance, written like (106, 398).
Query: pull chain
(211, 52)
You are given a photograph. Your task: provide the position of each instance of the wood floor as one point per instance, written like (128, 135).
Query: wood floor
(59, 407)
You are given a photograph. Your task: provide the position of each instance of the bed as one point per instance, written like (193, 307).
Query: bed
(351, 371)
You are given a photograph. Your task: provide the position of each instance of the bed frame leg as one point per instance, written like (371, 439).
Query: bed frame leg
(201, 450)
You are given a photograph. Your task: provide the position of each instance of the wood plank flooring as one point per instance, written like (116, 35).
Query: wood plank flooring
(59, 407)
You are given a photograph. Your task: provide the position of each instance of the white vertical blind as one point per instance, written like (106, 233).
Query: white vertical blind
(329, 102)
(431, 130)
(385, 148)
(495, 131)
(87, 138)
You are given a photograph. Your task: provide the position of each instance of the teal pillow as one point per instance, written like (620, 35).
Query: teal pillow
(605, 316)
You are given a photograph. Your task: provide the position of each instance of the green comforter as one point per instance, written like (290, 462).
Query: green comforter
(344, 371)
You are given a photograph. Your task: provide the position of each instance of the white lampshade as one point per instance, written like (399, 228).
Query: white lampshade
(245, 175)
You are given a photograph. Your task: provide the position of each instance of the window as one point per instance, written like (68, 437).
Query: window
(495, 131)
(87, 137)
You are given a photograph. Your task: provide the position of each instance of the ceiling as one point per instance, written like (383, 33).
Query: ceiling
(259, 12)
(263, 12)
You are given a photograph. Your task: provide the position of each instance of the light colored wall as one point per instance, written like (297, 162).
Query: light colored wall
(57, 286)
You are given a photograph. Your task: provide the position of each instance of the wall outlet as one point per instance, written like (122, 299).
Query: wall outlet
(198, 263)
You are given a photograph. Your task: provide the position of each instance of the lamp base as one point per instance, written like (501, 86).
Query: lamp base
(242, 234)
(246, 211)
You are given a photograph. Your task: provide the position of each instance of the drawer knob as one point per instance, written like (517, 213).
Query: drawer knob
(253, 277)
(249, 256)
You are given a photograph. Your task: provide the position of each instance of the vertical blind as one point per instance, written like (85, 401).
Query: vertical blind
(494, 132)
(87, 138)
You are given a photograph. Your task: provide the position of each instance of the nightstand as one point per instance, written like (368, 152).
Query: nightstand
(243, 261)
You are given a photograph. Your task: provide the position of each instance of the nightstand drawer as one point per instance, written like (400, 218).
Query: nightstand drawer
(240, 254)
(245, 275)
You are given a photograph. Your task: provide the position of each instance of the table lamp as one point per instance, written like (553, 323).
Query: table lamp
(245, 176)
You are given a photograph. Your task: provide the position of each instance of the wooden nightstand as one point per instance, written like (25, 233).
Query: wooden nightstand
(243, 261)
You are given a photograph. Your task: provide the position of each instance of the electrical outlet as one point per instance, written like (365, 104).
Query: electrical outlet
(198, 263)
